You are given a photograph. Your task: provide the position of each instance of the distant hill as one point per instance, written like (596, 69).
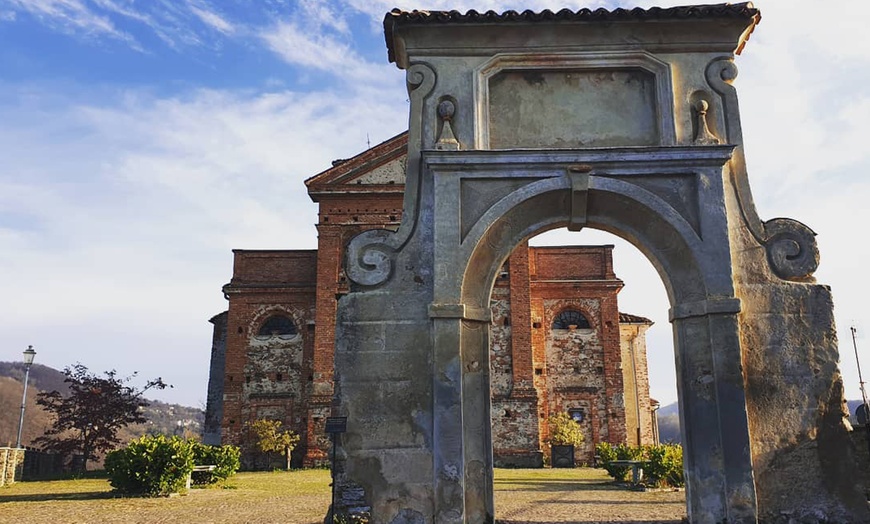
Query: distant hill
(161, 417)
(670, 409)
(669, 423)
(43, 378)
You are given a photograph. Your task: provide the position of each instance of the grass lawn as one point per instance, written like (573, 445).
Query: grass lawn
(302, 497)
(291, 497)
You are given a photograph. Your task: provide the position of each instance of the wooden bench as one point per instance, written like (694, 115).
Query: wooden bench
(198, 468)
(636, 468)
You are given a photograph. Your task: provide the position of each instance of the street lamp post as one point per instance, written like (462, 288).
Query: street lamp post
(29, 353)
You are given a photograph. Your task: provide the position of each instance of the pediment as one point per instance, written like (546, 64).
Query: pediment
(380, 168)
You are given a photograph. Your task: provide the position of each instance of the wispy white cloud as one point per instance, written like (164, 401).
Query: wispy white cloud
(177, 24)
(318, 14)
(323, 52)
(118, 210)
(211, 18)
(72, 17)
(311, 34)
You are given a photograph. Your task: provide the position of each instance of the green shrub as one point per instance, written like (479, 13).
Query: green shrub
(664, 465)
(564, 431)
(607, 453)
(151, 465)
(226, 458)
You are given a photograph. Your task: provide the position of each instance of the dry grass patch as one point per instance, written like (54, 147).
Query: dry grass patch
(302, 497)
(294, 497)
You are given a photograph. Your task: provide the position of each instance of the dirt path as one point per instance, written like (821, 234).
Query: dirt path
(580, 497)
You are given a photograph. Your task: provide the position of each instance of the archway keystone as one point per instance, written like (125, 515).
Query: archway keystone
(624, 121)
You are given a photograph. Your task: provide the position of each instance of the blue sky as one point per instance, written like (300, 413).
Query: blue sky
(142, 140)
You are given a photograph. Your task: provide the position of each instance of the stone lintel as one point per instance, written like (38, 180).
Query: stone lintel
(460, 311)
(555, 162)
(713, 306)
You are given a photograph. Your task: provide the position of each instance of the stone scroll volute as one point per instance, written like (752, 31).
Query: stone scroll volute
(370, 255)
(792, 252)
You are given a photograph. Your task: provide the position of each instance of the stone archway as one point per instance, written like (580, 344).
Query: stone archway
(695, 265)
(624, 121)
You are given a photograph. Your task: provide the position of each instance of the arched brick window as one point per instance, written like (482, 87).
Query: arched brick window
(277, 326)
(571, 317)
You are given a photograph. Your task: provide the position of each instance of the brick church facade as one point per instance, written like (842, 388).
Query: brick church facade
(558, 340)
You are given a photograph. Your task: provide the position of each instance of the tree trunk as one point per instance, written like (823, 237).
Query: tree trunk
(287, 455)
(82, 466)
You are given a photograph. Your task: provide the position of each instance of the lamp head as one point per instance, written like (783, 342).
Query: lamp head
(29, 353)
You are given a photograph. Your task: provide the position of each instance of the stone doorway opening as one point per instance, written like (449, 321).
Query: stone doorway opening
(572, 314)
(640, 220)
(586, 292)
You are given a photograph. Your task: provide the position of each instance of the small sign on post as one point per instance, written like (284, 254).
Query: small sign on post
(334, 426)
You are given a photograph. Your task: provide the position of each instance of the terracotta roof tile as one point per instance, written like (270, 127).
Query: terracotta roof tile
(397, 16)
(625, 318)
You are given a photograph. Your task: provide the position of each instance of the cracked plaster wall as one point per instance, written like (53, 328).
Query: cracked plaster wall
(575, 373)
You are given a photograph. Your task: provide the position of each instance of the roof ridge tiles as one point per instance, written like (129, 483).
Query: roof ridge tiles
(398, 16)
(743, 9)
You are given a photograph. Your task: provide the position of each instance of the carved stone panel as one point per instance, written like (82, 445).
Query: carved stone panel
(574, 100)
(572, 108)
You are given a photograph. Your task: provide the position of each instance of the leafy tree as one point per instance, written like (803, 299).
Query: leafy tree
(267, 436)
(87, 419)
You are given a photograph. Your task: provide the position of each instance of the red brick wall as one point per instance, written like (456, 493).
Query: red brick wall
(268, 376)
(273, 267)
(573, 263)
(534, 372)
(579, 368)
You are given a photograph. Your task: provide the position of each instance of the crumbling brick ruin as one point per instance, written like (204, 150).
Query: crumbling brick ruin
(559, 342)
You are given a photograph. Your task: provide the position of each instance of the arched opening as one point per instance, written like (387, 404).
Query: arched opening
(584, 315)
(682, 262)
(570, 319)
(277, 325)
(646, 338)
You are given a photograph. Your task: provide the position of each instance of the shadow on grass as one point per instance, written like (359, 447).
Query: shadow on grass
(555, 485)
(45, 497)
(500, 521)
(613, 502)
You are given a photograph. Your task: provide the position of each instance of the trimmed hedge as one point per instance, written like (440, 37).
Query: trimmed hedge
(151, 465)
(157, 465)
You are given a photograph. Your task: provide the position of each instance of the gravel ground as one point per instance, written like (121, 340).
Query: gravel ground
(580, 496)
(542, 496)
